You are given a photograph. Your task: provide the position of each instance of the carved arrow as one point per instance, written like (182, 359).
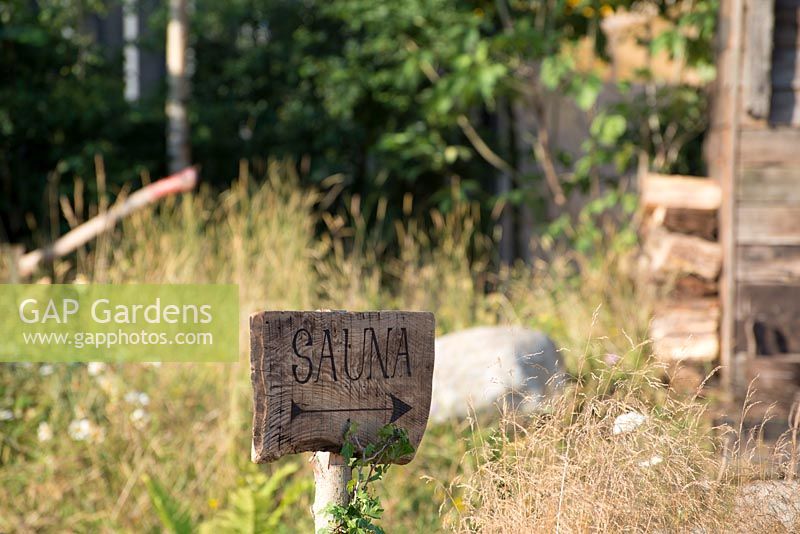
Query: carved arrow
(399, 409)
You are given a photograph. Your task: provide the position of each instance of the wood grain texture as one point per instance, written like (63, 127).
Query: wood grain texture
(682, 192)
(700, 223)
(769, 301)
(767, 224)
(674, 254)
(692, 286)
(724, 170)
(773, 146)
(691, 348)
(768, 264)
(686, 330)
(758, 57)
(769, 184)
(685, 317)
(315, 372)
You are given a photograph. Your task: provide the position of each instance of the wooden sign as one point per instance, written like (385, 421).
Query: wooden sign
(314, 373)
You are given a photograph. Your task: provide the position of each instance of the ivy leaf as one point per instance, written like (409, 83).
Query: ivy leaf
(347, 450)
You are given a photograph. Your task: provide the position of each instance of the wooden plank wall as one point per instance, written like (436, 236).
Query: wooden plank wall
(767, 236)
(766, 209)
(753, 150)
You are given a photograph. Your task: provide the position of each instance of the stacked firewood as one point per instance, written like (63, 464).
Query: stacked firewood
(682, 256)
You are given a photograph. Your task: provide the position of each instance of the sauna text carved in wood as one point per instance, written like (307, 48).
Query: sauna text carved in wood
(314, 373)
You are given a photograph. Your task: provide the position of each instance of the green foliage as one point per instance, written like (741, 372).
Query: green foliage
(196, 448)
(591, 234)
(261, 503)
(255, 506)
(376, 92)
(61, 103)
(559, 73)
(671, 119)
(691, 37)
(344, 85)
(173, 515)
(369, 466)
(607, 128)
(607, 146)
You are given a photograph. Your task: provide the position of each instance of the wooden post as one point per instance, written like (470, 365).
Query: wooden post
(331, 475)
(731, 382)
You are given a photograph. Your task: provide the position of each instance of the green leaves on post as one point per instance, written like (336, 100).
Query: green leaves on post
(369, 467)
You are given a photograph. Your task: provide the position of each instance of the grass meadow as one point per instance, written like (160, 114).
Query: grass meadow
(149, 448)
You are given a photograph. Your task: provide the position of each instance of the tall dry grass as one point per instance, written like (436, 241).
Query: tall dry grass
(193, 433)
(577, 467)
(562, 469)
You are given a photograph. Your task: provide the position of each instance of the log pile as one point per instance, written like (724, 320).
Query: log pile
(682, 256)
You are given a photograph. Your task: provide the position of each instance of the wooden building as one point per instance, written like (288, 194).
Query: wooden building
(753, 150)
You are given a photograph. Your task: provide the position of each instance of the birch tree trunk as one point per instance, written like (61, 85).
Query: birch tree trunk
(178, 87)
(131, 58)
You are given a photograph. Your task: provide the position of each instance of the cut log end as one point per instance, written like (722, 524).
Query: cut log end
(672, 255)
(686, 330)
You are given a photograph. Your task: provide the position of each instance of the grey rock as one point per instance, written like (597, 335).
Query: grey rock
(770, 505)
(476, 367)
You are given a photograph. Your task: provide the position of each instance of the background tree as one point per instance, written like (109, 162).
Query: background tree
(178, 150)
(424, 97)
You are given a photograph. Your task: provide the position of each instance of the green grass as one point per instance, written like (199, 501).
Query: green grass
(192, 436)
